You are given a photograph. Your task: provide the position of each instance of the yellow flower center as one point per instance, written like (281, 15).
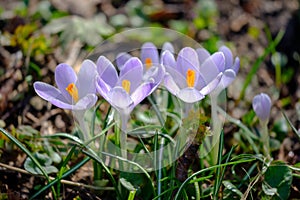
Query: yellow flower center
(73, 91)
(148, 63)
(126, 85)
(190, 77)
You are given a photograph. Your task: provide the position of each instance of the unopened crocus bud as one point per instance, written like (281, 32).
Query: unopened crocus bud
(262, 105)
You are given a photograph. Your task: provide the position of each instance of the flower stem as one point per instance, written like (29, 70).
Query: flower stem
(187, 107)
(265, 138)
(123, 137)
(84, 132)
(216, 130)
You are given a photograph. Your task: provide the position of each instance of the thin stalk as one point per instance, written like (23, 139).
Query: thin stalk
(187, 107)
(160, 160)
(123, 137)
(246, 132)
(181, 188)
(84, 132)
(131, 195)
(197, 189)
(28, 153)
(216, 129)
(218, 171)
(59, 179)
(258, 62)
(265, 139)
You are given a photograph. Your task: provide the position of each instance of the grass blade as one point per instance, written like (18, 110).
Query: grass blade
(28, 153)
(258, 62)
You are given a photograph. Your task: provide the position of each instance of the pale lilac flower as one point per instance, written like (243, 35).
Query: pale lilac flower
(130, 87)
(230, 69)
(74, 92)
(262, 106)
(187, 78)
(149, 55)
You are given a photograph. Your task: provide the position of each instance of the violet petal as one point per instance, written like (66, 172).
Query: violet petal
(262, 106)
(86, 102)
(187, 59)
(64, 75)
(168, 59)
(86, 78)
(212, 85)
(228, 56)
(119, 98)
(178, 78)
(133, 72)
(236, 65)
(212, 66)
(107, 71)
(171, 85)
(121, 59)
(51, 94)
(142, 92)
(203, 54)
(149, 51)
(168, 46)
(190, 95)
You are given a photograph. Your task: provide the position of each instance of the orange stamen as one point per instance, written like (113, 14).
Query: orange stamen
(148, 63)
(73, 91)
(190, 78)
(126, 85)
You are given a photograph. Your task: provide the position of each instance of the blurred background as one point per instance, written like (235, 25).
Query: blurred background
(36, 35)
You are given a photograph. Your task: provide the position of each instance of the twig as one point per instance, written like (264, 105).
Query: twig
(67, 182)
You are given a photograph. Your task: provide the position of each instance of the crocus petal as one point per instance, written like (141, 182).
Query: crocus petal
(228, 56)
(131, 64)
(149, 50)
(203, 54)
(212, 66)
(119, 98)
(107, 71)
(86, 102)
(51, 94)
(86, 78)
(168, 59)
(170, 84)
(262, 106)
(121, 59)
(168, 46)
(155, 74)
(187, 59)
(178, 78)
(64, 75)
(133, 72)
(236, 65)
(142, 92)
(190, 95)
(228, 77)
(102, 88)
(212, 85)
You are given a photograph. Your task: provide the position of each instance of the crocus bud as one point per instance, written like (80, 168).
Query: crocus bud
(262, 105)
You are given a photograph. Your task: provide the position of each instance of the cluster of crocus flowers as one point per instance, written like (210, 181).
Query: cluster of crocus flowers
(190, 76)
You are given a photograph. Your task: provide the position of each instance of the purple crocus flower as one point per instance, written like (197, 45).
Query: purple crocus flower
(230, 69)
(130, 87)
(187, 78)
(74, 92)
(262, 106)
(149, 55)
